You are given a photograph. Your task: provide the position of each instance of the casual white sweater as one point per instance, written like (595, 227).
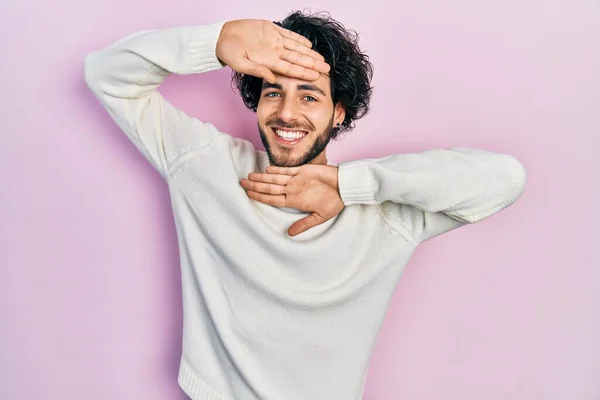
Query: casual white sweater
(266, 315)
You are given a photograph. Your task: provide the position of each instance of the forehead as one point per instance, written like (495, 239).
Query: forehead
(290, 84)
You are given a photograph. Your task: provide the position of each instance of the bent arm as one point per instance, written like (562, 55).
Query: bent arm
(435, 191)
(125, 77)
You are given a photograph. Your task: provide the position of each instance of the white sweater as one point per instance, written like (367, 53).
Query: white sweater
(266, 315)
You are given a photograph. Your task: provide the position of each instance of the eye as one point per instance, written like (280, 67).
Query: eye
(310, 97)
(269, 94)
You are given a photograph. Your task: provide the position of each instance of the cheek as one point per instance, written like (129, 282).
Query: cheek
(262, 111)
(260, 118)
(319, 117)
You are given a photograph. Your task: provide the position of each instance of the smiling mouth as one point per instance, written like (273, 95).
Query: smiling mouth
(288, 136)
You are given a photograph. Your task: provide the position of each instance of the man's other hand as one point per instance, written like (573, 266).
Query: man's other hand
(310, 188)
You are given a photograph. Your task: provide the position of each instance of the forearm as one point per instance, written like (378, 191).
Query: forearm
(136, 65)
(466, 184)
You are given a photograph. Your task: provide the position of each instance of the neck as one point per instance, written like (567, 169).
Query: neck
(321, 159)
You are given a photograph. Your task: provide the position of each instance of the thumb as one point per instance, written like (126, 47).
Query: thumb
(305, 224)
(258, 70)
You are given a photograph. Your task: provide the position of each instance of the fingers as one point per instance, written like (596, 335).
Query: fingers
(262, 187)
(274, 200)
(271, 169)
(294, 36)
(292, 45)
(304, 60)
(298, 51)
(276, 179)
(295, 71)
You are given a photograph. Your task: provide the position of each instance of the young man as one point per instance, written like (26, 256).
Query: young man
(288, 262)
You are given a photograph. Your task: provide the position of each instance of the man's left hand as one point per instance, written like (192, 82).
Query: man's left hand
(310, 187)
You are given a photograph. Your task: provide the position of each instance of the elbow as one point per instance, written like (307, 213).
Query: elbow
(92, 71)
(517, 176)
(511, 185)
(88, 70)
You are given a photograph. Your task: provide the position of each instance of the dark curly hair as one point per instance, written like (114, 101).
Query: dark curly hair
(350, 73)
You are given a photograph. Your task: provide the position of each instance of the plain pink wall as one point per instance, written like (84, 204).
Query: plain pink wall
(505, 309)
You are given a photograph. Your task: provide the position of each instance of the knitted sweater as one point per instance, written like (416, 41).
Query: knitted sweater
(266, 315)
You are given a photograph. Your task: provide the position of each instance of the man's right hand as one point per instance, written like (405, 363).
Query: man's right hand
(260, 48)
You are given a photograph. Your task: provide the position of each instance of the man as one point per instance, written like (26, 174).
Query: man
(288, 262)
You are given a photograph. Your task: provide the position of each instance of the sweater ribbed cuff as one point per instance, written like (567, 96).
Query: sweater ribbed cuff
(203, 47)
(354, 182)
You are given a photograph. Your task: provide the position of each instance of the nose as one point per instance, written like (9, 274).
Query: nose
(288, 111)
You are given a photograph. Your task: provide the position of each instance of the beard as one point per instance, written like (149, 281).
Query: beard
(286, 156)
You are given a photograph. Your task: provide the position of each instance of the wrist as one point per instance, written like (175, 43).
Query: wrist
(332, 177)
(219, 45)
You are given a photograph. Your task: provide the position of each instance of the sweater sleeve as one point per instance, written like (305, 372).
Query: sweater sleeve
(125, 77)
(435, 191)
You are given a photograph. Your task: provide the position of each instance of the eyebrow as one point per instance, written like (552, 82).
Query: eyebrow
(303, 86)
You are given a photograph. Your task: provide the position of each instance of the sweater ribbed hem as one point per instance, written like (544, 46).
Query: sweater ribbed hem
(195, 387)
(203, 47)
(354, 183)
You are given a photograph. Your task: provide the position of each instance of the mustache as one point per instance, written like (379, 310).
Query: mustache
(278, 122)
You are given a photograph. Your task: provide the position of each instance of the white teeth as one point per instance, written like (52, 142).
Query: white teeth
(289, 135)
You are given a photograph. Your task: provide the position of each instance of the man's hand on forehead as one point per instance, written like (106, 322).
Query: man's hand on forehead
(262, 48)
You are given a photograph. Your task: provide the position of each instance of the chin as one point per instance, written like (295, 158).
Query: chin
(285, 162)
(292, 153)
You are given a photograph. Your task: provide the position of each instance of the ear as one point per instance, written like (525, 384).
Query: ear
(339, 113)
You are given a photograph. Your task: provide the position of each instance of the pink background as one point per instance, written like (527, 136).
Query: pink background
(508, 308)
